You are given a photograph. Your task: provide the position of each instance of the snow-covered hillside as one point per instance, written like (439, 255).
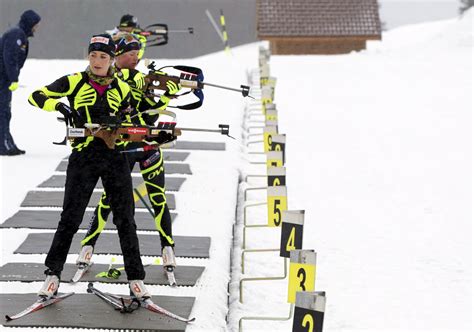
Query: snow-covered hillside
(379, 154)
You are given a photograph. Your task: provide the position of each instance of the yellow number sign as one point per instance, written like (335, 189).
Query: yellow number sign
(302, 272)
(276, 204)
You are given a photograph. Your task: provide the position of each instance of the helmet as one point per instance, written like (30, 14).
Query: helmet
(128, 21)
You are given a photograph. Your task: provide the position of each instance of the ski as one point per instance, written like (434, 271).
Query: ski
(122, 303)
(41, 303)
(81, 270)
(169, 270)
(150, 305)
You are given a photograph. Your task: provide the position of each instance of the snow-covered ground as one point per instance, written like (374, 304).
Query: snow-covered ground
(379, 154)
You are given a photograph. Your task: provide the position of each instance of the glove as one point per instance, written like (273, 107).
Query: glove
(172, 87)
(13, 86)
(164, 137)
(66, 111)
(139, 80)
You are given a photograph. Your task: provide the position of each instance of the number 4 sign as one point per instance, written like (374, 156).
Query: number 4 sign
(291, 232)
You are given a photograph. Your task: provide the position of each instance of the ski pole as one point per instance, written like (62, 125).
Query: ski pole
(144, 202)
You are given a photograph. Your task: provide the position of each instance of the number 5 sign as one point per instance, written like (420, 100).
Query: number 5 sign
(309, 312)
(302, 272)
(276, 203)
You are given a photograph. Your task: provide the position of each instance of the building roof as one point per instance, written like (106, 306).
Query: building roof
(308, 18)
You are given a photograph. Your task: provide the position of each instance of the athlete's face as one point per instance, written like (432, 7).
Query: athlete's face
(128, 60)
(99, 62)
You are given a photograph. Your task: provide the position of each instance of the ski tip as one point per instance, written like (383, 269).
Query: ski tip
(191, 320)
(8, 318)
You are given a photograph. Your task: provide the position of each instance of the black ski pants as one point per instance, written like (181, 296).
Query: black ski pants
(84, 170)
(153, 173)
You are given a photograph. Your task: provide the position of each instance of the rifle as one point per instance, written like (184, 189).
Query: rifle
(111, 131)
(157, 34)
(190, 77)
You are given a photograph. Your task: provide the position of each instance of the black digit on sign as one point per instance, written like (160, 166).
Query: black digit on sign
(277, 211)
(302, 273)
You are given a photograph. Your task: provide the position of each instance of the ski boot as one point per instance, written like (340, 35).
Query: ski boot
(85, 256)
(50, 287)
(169, 259)
(138, 290)
(169, 264)
(83, 262)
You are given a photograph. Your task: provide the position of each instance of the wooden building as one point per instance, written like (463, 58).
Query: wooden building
(318, 26)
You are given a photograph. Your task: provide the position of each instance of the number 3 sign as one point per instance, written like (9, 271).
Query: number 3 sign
(302, 272)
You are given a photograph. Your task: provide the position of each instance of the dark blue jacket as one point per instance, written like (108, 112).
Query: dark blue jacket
(14, 47)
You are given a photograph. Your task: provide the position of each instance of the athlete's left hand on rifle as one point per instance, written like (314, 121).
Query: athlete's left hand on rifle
(163, 137)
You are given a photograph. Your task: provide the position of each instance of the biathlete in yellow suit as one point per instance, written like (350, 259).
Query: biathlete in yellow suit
(92, 94)
(129, 25)
(150, 162)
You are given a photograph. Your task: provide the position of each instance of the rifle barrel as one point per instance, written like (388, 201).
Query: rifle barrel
(200, 129)
(187, 31)
(222, 87)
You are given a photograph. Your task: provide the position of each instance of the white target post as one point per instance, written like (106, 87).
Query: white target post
(291, 237)
(277, 202)
(270, 128)
(258, 121)
(276, 176)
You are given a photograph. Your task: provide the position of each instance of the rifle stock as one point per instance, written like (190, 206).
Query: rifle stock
(126, 134)
(157, 81)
